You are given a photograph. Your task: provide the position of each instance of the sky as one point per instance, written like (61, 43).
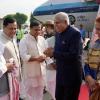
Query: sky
(22, 6)
(25, 6)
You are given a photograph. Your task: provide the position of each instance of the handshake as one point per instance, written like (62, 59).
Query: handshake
(49, 52)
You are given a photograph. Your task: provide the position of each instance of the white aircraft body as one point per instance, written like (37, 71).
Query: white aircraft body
(79, 12)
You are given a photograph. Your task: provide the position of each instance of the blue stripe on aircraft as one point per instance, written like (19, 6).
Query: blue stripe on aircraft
(67, 7)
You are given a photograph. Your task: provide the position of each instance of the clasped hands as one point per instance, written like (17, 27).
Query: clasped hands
(10, 65)
(40, 58)
(49, 52)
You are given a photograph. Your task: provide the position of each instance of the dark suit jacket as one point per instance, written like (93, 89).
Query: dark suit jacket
(67, 52)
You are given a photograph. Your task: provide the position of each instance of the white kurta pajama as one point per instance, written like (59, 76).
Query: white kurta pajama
(51, 74)
(33, 72)
(11, 51)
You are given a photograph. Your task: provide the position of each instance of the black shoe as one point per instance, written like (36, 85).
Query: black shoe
(20, 99)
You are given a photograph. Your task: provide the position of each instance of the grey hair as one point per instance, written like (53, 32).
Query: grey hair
(62, 16)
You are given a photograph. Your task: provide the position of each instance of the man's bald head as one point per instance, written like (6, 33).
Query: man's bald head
(61, 22)
(62, 16)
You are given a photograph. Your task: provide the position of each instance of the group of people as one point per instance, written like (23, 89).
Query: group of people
(54, 62)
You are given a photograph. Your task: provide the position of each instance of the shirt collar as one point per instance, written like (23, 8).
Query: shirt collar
(64, 32)
(32, 37)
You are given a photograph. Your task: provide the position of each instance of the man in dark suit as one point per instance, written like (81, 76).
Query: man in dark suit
(67, 52)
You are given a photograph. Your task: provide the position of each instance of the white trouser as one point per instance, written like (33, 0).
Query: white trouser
(35, 93)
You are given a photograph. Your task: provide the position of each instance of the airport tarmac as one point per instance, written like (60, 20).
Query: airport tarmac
(47, 96)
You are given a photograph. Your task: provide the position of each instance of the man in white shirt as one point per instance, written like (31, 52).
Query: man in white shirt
(51, 71)
(31, 49)
(10, 78)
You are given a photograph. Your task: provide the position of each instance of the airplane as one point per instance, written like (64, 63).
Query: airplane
(79, 12)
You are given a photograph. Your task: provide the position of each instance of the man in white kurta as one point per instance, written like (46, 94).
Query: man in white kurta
(51, 72)
(10, 52)
(31, 49)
